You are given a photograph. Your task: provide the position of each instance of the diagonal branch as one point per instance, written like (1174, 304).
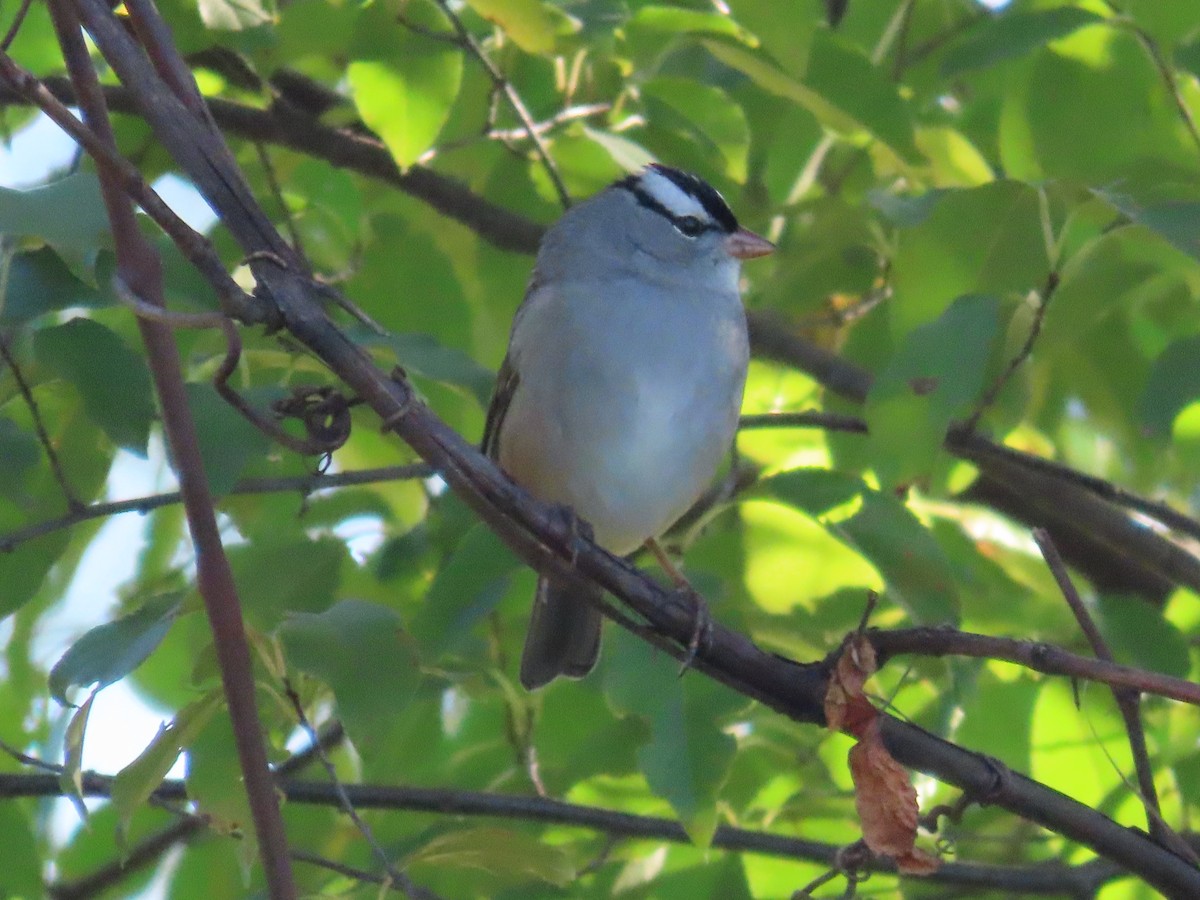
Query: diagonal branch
(139, 267)
(1129, 701)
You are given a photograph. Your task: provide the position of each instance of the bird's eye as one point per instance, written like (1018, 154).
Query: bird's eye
(689, 225)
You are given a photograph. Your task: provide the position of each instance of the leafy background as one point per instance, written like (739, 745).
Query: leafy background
(942, 180)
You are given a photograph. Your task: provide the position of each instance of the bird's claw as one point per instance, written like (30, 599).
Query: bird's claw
(702, 626)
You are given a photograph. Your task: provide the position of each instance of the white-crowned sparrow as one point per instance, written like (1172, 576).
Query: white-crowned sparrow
(623, 380)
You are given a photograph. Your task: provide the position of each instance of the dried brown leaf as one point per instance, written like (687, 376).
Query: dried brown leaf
(887, 804)
(846, 705)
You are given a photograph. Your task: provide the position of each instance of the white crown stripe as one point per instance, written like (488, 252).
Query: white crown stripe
(672, 198)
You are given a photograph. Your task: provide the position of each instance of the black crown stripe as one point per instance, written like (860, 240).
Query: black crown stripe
(714, 204)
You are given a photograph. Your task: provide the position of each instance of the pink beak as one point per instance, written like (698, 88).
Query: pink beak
(745, 244)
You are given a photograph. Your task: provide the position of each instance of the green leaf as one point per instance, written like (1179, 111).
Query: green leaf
(23, 573)
(466, 588)
(109, 652)
(842, 89)
(361, 651)
(68, 214)
(785, 30)
(984, 240)
(403, 84)
(934, 377)
(1177, 222)
(844, 75)
(134, 784)
(1096, 112)
(425, 355)
(1012, 34)
(1105, 275)
(214, 784)
(289, 576)
(20, 451)
(1010, 702)
(627, 154)
(71, 777)
(688, 755)
(21, 874)
(112, 380)
(768, 76)
(531, 24)
(1138, 635)
(228, 443)
(1174, 383)
(707, 117)
(234, 15)
(39, 281)
(498, 851)
(917, 574)
(883, 531)
(688, 21)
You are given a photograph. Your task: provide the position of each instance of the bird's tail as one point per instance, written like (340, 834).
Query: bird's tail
(564, 633)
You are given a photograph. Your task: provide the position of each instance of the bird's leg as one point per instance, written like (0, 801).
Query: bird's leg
(702, 623)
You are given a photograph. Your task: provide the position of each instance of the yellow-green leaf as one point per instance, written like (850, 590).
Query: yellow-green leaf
(137, 781)
(404, 83)
(532, 25)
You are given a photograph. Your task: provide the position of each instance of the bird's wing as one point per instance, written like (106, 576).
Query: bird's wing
(506, 386)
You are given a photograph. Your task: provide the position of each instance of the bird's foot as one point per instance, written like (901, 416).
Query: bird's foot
(702, 626)
(702, 622)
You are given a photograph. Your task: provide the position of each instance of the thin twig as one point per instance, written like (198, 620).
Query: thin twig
(18, 20)
(39, 426)
(808, 419)
(386, 882)
(1033, 655)
(394, 875)
(285, 211)
(32, 761)
(311, 446)
(473, 46)
(305, 484)
(1035, 329)
(1128, 701)
(1165, 70)
(511, 135)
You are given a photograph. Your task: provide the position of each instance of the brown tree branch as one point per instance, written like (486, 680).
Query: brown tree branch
(1040, 878)
(1034, 655)
(139, 267)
